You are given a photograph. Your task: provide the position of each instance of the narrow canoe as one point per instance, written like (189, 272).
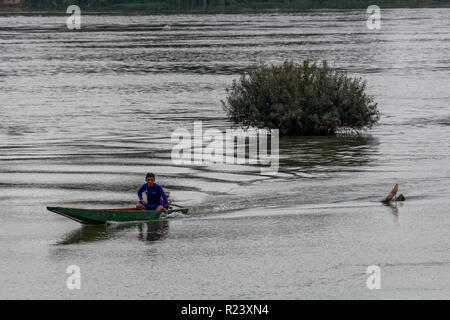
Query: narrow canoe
(101, 216)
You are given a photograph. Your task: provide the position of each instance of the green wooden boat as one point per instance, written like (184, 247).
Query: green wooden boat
(101, 216)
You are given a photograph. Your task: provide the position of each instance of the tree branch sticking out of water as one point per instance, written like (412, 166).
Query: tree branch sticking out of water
(300, 99)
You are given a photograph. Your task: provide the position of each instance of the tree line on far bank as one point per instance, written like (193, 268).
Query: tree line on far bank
(228, 4)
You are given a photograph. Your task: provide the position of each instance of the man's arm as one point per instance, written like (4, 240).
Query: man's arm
(141, 189)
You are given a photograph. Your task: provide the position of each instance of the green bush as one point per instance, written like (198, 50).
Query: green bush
(300, 99)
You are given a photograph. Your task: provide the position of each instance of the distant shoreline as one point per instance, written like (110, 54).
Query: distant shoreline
(143, 8)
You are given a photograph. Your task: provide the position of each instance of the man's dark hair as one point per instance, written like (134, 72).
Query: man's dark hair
(149, 175)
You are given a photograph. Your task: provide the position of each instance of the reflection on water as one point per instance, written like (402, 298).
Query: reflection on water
(154, 230)
(146, 231)
(394, 206)
(309, 153)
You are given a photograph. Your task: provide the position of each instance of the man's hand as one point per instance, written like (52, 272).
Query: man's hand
(165, 210)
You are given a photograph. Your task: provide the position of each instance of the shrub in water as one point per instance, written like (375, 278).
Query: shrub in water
(300, 99)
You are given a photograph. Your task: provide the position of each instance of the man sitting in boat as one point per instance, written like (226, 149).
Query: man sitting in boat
(156, 198)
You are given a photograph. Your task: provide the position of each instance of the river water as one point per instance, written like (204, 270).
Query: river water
(85, 114)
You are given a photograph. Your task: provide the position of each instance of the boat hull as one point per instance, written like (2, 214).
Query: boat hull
(101, 216)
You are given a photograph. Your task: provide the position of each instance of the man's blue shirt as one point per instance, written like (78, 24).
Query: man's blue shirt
(154, 194)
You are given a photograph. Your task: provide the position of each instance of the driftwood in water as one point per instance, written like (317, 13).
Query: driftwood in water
(392, 194)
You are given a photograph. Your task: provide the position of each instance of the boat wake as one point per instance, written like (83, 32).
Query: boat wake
(174, 215)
